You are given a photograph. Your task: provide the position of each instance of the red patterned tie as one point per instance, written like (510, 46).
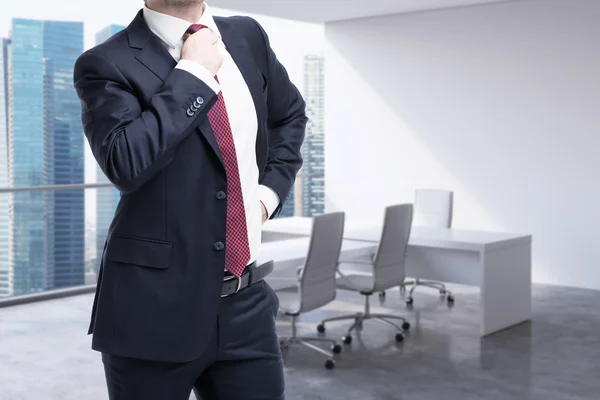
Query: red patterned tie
(237, 249)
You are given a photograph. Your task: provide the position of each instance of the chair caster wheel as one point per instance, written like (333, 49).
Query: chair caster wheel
(347, 339)
(329, 364)
(284, 346)
(399, 337)
(406, 325)
(321, 328)
(336, 349)
(450, 299)
(409, 301)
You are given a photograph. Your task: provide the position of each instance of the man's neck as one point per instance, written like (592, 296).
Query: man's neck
(191, 14)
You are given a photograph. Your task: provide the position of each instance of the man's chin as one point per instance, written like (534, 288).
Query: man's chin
(183, 3)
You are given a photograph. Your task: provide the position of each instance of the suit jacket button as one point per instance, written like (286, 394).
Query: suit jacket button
(219, 246)
(190, 112)
(221, 195)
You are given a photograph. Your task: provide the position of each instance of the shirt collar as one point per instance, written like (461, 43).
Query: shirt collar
(207, 20)
(171, 29)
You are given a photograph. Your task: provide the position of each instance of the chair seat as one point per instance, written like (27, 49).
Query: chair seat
(356, 282)
(289, 302)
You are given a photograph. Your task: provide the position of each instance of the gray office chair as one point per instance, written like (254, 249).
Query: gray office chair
(433, 209)
(316, 286)
(388, 271)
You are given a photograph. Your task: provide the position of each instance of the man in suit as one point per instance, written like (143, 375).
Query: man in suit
(197, 124)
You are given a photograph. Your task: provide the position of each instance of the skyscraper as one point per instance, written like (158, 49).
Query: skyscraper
(312, 175)
(26, 156)
(5, 270)
(45, 148)
(106, 199)
(288, 209)
(64, 156)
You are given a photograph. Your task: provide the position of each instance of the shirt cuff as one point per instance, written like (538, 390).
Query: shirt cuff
(201, 73)
(269, 198)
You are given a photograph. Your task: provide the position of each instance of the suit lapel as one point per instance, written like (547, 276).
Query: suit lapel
(154, 56)
(157, 59)
(242, 55)
(240, 51)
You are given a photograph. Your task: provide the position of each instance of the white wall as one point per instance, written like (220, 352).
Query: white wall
(500, 103)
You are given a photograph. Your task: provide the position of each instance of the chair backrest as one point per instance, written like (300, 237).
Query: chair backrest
(389, 266)
(433, 208)
(317, 282)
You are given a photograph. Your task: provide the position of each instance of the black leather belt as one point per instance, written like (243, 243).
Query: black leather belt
(254, 273)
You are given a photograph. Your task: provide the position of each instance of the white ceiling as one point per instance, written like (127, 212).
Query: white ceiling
(336, 10)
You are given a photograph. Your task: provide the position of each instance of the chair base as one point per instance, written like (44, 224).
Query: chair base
(286, 342)
(361, 317)
(430, 284)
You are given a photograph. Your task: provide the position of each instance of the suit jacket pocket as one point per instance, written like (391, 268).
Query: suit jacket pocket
(137, 251)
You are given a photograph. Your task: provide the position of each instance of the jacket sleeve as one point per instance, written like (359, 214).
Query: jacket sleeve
(132, 143)
(286, 124)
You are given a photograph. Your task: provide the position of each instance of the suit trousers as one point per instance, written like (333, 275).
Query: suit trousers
(242, 362)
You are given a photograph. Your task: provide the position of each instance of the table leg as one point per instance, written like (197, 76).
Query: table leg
(505, 294)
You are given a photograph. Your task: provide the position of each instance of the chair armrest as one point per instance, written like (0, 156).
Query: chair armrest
(355, 262)
(280, 284)
(363, 260)
(348, 281)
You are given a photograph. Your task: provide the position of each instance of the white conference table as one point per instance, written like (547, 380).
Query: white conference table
(292, 253)
(498, 263)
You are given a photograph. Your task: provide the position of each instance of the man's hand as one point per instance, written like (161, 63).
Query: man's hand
(265, 214)
(200, 47)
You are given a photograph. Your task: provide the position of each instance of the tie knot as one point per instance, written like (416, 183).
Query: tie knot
(195, 28)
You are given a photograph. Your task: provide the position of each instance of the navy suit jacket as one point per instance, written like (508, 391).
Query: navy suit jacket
(160, 281)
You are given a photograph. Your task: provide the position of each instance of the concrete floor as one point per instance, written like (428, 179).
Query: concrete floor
(45, 354)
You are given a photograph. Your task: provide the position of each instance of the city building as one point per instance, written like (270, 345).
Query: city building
(307, 198)
(26, 156)
(45, 148)
(64, 153)
(106, 198)
(312, 175)
(5, 270)
(288, 209)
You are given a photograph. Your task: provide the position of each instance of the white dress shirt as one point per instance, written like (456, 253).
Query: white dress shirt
(240, 108)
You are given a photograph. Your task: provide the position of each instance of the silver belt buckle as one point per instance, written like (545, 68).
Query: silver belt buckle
(239, 285)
